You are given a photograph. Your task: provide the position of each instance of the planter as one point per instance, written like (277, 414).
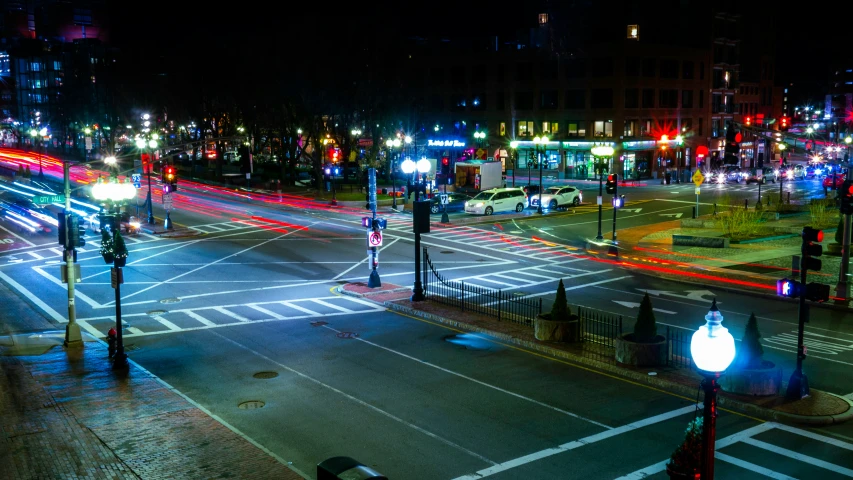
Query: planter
(120, 261)
(639, 354)
(681, 475)
(549, 330)
(109, 258)
(766, 380)
(834, 249)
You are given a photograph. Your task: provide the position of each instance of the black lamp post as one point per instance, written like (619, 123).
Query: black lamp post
(411, 168)
(392, 143)
(540, 144)
(600, 152)
(514, 157)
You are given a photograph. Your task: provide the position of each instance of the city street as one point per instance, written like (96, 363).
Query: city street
(241, 307)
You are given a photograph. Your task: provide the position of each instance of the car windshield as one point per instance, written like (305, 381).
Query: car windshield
(552, 189)
(483, 196)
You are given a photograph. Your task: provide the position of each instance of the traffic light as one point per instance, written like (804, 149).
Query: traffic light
(811, 249)
(445, 165)
(612, 181)
(732, 148)
(167, 188)
(62, 225)
(366, 222)
(817, 292)
(785, 287)
(77, 231)
(846, 196)
(783, 123)
(170, 177)
(748, 121)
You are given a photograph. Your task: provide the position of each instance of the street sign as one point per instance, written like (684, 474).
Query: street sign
(136, 178)
(167, 201)
(374, 239)
(698, 178)
(248, 176)
(63, 273)
(116, 277)
(48, 199)
(443, 198)
(88, 143)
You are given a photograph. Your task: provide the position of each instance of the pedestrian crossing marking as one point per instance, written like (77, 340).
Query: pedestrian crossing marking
(231, 314)
(266, 312)
(198, 318)
(166, 323)
(301, 309)
(340, 309)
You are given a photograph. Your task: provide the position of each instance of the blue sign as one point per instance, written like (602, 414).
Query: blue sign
(136, 178)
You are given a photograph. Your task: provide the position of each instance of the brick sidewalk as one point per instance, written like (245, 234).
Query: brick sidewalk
(66, 414)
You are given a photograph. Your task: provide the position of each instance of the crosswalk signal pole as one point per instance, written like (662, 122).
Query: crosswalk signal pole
(72, 329)
(373, 281)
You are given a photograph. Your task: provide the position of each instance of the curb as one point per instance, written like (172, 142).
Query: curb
(367, 297)
(654, 381)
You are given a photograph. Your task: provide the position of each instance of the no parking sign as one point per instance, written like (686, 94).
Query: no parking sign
(374, 238)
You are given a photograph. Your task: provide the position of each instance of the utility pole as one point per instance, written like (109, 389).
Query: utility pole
(72, 329)
(842, 288)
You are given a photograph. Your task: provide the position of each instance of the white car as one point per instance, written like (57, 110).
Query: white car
(555, 197)
(497, 200)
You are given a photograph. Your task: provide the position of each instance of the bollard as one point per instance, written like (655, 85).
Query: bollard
(746, 204)
(789, 198)
(715, 209)
(694, 212)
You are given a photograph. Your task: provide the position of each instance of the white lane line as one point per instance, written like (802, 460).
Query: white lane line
(35, 255)
(358, 401)
(478, 382)
(525, 272)
(494, 281)
(583, 285)
(77, 293)
(57, 251)
(33, 298)
(135, 331)
(197, 317)
(266, 312)
(645, 472)
(297, 307)
(799, 456)
(166, 323)
(330, 305)
(89, 328)
(392, 242)
(372, 306)
(517, 279)
(502, 467)
(231, 314)
(216, 229)
(751, 467)
(149, 236)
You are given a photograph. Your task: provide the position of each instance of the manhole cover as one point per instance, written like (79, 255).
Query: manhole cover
(519, 294)
(318, 323)
(346, 335)
(251, 404)
(155, 312)
(170, 300)
(265, 375)
(446, 251)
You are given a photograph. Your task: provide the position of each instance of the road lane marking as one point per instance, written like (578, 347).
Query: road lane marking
(392, 242)
(749, 466)
(502, 467)
(18, 236)
(479, 382)
(816, 436)
(359, 401)
(134, 330)
(166, 323)
(230, 314)
(198, 318)
(265, 311)
(297, 307)
(77, 292)
(35, 255)
(798, 456)
(331, 305)
(583, 285)
(33, 298)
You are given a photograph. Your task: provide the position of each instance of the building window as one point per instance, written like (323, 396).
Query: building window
(716, 103)
(576, 99)
(478, 102)
(525, 128)
(648, 98)
(646, 127)
(499, 101)
(57, 65)
(458, 103)
(633, 32)
(523, 71)
(699, 132)
(701, 98)
(549, 100)
(630, 128)
(602, 67)
(603, 128)
(548, 70)
(687, 99)
(546, 127)
(602, 98)
(524, 100)
(687, 69)
(576, 68)
(716, 127)
(577, 128)
(632, 98)
(669, 69)
(35, 66)
(502, 131)
(555, 128)
(649, 67)
(632, 67)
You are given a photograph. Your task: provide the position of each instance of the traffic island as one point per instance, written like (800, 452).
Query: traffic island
(821, 408)
(387, 292)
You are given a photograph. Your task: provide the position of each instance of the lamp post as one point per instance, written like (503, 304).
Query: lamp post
(114, 194)
(847, 140)
(39, 135)
(539, 143)
(599, 152)
(679, 140)
(514, 146)
(409, 168)
(781, 171)
(713, 349)
(479, 137)
(392, 143)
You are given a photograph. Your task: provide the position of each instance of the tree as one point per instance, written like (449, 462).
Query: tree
(749, 355)
(21, 172)
(27, 173)
(687, 458)
(560, 310)
(646, 329)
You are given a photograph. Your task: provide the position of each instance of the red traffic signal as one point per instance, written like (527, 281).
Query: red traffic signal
(170, 173)
(738, 137)
(445, 160)
(783, 123)
(812, 235)
(748, 121)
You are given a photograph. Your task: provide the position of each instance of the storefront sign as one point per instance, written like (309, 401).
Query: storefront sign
(446, 143)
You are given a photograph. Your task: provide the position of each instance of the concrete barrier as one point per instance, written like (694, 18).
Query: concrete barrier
(697, 241)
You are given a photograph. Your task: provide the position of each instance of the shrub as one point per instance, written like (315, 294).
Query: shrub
(560, 310)
(822, 212)
(687, 457)
(20, 170)
(749, 355)
(646, 329)
(27, 173)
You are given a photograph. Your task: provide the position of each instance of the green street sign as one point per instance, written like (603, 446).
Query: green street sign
(48, 199)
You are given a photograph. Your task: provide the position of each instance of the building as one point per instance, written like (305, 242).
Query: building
(583, 83)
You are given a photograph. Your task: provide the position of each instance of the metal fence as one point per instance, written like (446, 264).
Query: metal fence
(477, 299)
(599, 327)
(678, 348)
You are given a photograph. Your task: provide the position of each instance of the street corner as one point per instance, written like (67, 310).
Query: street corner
(386, 292)
(818, 408)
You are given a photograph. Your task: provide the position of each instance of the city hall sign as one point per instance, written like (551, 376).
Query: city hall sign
(446, 143)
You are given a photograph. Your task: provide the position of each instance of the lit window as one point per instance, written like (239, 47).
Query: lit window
(546, 127)
(503, 129)
(633, 32)
(555, 128)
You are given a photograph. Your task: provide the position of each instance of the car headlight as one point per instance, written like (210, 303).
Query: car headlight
(479, 204)
(775, 172)
(135, 224)
(817, 172)
(790, 173)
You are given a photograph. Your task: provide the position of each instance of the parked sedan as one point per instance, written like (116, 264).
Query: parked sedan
(555, 197)
(834, 181)
(455, 202)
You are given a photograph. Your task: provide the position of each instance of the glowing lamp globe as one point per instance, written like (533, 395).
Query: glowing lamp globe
(424, 165)
(513, 144)
(140, 143)
(602, 151)
(712, 346)
(408, 166)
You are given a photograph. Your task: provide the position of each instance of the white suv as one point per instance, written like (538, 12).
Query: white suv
(497, 200)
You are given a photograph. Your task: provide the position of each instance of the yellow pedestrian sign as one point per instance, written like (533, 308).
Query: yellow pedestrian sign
(698, 178)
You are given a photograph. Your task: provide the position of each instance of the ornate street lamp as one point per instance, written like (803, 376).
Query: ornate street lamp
(410, 168)
(600, 152)
(713, 349)
(114, 194)
(514, 146)
(540, 144)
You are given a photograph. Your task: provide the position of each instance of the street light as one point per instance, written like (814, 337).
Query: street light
(713, 349)
(392, 143)
(114, 194)
(679, 140)
(599, 152)
(514, 146)
(409, 167)
(539, 142)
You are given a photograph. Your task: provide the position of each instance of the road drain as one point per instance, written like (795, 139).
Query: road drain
(265, 375)
(346, 335)
(170, 300)
(155, 312)
(251, 404)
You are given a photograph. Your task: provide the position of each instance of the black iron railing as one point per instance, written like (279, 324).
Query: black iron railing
(678, 346)
(599, 327)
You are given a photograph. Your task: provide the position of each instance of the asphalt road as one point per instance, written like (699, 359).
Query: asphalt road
(251, 292)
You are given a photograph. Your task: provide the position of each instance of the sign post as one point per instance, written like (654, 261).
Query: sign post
(698, 179)
(373, 281)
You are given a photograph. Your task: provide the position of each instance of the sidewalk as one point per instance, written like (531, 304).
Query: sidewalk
(821, 408)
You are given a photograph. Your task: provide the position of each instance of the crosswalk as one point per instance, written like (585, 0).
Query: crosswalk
(532, 248)
(234, 225)
(188, 319)
(44, 252)
(530, 279)
(774, 451)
